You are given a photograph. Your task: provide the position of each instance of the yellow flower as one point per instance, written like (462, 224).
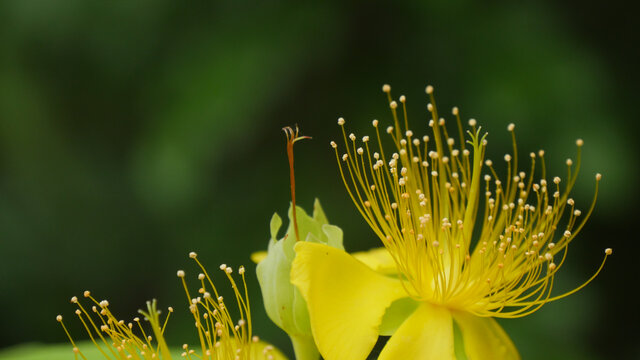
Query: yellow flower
(467, 245)
(220, 338)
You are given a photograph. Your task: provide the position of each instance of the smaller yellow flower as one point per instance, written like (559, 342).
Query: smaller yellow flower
(220, 337)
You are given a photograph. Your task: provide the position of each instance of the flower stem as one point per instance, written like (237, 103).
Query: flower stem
(304, 347)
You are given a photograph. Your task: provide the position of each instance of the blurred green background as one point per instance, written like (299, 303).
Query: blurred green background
(134, 132)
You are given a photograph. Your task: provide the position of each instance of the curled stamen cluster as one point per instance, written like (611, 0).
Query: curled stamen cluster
(460, 235)
(117, 338)
(220, 337)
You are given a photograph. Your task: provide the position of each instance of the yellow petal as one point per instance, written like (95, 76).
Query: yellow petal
(378, 259)
(258, 256)
(345, 298)
(426, 334)
(484, 338)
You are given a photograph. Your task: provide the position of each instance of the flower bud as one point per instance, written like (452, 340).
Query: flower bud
(283, 302)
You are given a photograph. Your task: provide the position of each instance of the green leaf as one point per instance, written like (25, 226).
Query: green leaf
(458, 342)
(274, 225)
(318, 213)
(34, 351)
(334, 236)
(396, 315)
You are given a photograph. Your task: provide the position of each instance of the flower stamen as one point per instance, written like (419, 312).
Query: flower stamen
(509, 269)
